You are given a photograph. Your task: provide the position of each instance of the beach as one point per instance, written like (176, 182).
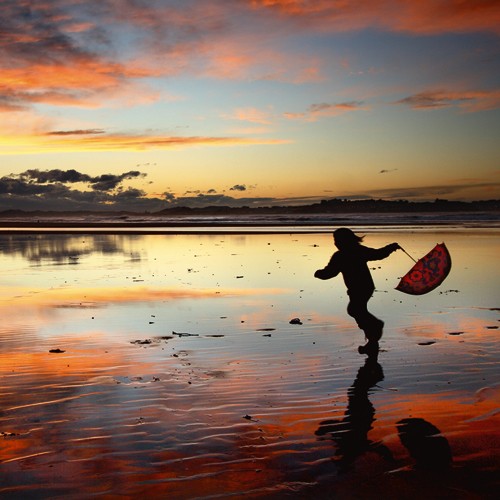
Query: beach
(212, 364)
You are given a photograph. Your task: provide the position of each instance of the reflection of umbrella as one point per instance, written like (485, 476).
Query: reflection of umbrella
(428, 273)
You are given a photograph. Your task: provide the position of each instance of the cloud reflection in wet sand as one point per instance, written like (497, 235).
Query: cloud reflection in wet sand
(227, 409)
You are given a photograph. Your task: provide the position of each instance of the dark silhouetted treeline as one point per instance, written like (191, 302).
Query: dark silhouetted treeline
(338, 205)
(331, 206)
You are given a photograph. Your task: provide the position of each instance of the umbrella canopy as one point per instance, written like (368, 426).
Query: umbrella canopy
(428, 273)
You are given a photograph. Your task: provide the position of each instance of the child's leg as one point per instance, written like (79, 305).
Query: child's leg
(366, 321)
(375, 330)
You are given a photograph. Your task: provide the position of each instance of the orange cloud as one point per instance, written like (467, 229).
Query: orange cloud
(423, 17)
(64, 84)
(322, 110)
(237, 57)
(252, 115)
(112, 142)
(62, 61)
(469, 101)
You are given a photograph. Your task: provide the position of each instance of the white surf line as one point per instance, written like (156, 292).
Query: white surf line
(15, 459)
(60, 400)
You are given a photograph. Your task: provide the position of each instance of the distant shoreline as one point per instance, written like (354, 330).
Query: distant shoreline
(317, 217)
(334, 206)
(299, 222)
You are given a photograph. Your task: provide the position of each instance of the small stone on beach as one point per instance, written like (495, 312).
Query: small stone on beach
(249, 417)
(182, 334)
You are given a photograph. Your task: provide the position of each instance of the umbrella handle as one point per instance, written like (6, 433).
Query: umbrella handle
(408, 254)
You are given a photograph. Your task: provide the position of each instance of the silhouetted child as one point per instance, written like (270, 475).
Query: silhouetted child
(351, 260)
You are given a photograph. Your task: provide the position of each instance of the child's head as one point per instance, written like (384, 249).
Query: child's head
(344, 238)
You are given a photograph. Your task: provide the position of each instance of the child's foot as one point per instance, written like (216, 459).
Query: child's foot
(369, 348)
(374, 333)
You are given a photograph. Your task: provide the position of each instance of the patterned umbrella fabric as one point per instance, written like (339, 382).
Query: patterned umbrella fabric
(428, 273)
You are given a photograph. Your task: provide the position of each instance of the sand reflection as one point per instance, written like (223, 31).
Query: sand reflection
(222, 395)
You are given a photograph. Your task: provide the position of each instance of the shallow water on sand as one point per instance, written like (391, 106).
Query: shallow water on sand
(177, 372)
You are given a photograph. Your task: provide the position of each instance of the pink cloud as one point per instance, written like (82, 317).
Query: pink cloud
(324, 110)
(422, 17)
(469, 101)
(252, 115)
(102, 141)
(75, 60)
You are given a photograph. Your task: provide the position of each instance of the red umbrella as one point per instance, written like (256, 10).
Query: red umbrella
(427, 273)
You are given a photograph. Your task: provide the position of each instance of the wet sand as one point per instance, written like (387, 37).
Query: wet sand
(166, 365)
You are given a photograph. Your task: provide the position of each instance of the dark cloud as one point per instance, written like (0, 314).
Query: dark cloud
(50, 190)
(433, 99)
(130, 194)
(319, 110)
(19, 187)
(91, 131)
(55, 175)
(238, 187)
(34, 29)
(325, 107)
(169, 197)
(108, 182)
(104, 182)
(469, 190)
(215, 200)
(199, 191)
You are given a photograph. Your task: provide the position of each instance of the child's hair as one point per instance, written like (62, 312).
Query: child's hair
(344, 237)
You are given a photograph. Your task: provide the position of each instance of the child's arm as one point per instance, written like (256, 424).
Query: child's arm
(331, 270)
(381, 253)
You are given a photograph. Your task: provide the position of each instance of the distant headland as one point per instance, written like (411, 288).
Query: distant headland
(330, 212)
(335, 205)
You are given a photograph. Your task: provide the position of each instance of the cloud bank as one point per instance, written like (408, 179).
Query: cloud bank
(79, 54)
(70, 190)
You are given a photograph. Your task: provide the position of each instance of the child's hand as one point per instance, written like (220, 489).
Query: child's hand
(320, 274)
(394, 247)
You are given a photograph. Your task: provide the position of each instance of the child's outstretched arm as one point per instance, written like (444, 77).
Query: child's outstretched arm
(382, 253)
(331, 270)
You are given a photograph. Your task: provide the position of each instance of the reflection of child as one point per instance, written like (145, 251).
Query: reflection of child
(351, 260)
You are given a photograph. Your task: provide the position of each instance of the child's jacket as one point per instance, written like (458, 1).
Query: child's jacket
(352, 264)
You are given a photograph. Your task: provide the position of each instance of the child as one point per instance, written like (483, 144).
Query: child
(350, 260)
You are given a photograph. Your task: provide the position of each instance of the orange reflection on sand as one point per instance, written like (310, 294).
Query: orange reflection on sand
(74, 363)
(465, 422)
(254, 451)
(465, 327)
(105, 295)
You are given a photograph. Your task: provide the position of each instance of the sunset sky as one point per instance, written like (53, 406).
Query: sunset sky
(145, 104)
